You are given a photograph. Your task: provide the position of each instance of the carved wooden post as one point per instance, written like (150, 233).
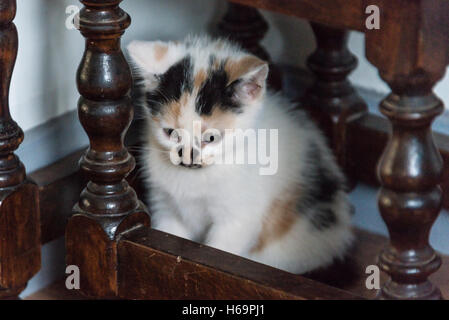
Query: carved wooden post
(247, 27)
(332, 100)
(108, 206)
(411, 58)
(19, 211)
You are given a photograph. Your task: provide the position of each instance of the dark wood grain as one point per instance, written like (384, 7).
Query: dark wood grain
(247, 27)
(351, 273)
(367, 138)
(61, 183)
(19, 207)
(346, 14)
(59, 187)
(108, 206)
(411, 58)
(331, 100)
(156, 265)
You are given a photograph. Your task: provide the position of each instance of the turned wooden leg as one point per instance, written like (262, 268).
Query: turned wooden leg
(411, 166)
(108, 206)
(247, 27)
(331, 100)
(19, 212)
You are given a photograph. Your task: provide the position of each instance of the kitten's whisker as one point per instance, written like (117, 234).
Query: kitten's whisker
(162, 94)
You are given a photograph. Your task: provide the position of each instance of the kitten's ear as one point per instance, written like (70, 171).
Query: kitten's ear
(252, 77)
(154, 57)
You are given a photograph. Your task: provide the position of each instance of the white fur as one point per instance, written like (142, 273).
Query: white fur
(224, 206)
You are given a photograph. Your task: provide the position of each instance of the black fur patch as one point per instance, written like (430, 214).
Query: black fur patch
(323, 219)
(320, 191)
(216, 92)
(326, 187)
(212, 59)
(172, 84)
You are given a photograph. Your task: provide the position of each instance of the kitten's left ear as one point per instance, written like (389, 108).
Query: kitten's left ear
(252, 75)
(154, 57)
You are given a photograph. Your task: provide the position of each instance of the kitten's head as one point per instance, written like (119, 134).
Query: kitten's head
(195, 90)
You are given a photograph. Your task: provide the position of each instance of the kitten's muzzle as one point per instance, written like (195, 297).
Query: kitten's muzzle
(191, 166)
(193, 161)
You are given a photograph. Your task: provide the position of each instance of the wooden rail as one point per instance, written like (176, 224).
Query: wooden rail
(156, 265)
(410, 168)
(107, 206)
(344, 14)
(19, 208)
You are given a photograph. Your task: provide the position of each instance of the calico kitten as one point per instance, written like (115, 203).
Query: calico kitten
(198, 94)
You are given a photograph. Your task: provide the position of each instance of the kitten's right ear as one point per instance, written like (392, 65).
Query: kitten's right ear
(154, 57)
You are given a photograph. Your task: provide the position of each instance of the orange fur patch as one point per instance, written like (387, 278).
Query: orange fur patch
(278, 221)
(236, 69)
(160, 51)
(172, 114)
(200, 77)
(219, 45)
(172, 111)
(219, 119)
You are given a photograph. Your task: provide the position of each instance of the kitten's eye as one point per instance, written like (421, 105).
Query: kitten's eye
(168, 131)
(172, 134)
(210, 137)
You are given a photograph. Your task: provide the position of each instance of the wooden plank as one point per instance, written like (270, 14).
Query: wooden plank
(351, 274)
(345, 14)
(156, 265)
(56, 291)
(59, 187)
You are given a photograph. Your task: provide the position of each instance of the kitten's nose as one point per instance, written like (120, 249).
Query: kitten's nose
(194, 155)
(193, 161)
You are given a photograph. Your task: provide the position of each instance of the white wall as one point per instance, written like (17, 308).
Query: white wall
(43, 85)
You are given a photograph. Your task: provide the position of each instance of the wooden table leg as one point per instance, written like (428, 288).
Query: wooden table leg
(411, 58)
(108, 206)
(331, 100)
